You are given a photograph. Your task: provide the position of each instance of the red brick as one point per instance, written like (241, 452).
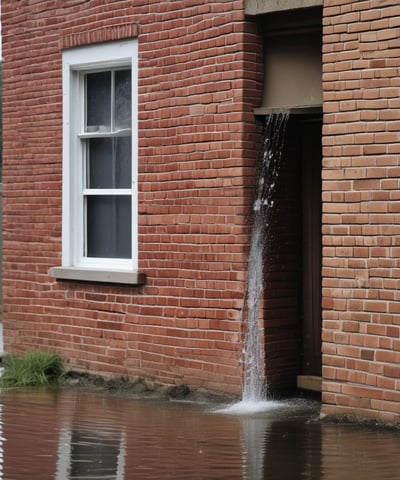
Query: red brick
(371, 95)
(208, 108)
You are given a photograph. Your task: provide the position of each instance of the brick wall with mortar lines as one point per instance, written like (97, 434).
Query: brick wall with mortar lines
(199, 79)
(361, 208)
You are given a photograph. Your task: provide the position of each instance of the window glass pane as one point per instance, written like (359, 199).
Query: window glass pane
(123, 162)
(98, 102)
(123, 99)
(99, 163)
(108, 224)
(109, 162)
(93, 456)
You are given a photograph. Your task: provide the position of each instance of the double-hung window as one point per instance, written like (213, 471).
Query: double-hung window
(100, 163)
(105, 144)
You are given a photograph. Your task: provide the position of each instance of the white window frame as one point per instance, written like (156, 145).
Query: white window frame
(75, 62)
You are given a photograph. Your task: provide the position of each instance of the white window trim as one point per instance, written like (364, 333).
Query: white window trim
(74, 264)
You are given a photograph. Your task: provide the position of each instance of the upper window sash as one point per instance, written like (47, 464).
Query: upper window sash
(107, 94)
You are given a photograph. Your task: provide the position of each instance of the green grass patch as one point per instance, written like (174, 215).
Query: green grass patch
(35, 368)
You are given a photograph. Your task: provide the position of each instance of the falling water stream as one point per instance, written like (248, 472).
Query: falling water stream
(255, 385)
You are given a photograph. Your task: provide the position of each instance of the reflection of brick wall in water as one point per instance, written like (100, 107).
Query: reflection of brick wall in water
(30, 435)
(369, 453)
(155, 439)
(186, 446)
(73, 434)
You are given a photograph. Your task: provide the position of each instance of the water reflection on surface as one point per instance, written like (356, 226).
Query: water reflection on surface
(65, 435)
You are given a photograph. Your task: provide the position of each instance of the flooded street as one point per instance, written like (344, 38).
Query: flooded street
(73, 434)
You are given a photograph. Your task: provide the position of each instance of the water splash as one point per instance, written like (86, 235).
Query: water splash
(255, 385)
(250, 407)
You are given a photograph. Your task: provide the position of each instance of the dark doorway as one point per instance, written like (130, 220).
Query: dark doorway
(292, 299)
(311, 251)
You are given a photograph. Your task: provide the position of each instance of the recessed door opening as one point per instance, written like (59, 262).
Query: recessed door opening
(292, 293)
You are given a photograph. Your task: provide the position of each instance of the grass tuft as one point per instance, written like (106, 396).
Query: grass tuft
(35, 368)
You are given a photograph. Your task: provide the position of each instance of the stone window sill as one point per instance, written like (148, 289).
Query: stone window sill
(96, 275)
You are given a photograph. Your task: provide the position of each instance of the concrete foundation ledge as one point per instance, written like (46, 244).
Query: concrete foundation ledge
(309, 382)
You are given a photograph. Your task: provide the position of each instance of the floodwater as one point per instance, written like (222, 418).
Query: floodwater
(75, 434)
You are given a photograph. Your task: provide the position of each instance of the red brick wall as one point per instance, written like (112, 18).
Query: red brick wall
(199, 80)
(361, 205)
